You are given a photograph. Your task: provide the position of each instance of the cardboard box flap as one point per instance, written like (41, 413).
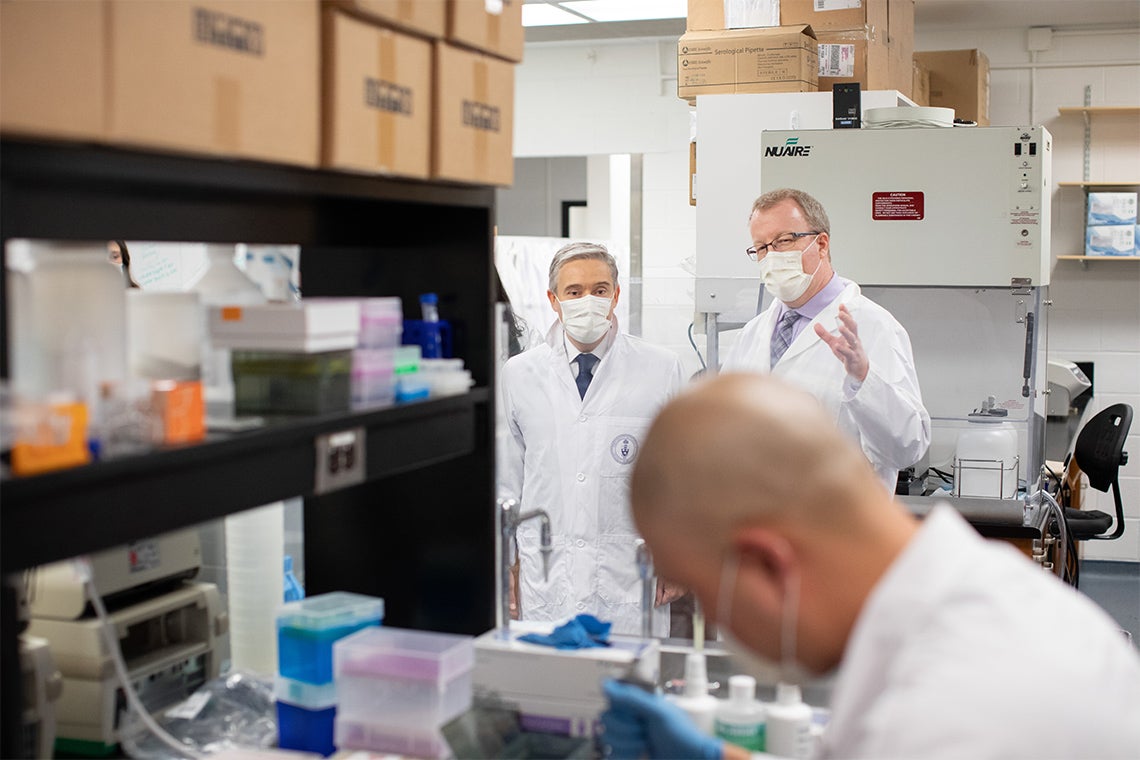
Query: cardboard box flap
(763, 33)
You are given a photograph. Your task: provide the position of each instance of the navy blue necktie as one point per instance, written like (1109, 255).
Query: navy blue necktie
(783, 337)
(586, 364)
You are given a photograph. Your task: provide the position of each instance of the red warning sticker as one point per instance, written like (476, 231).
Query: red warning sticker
(888, 207)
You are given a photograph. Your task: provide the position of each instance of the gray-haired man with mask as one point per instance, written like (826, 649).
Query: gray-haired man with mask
(577, 407)
(864, 373)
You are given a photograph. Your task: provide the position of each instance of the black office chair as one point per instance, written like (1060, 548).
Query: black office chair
(1100, 453)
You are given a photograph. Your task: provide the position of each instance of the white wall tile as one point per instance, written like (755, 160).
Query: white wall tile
(1117, 372)
(1124, 549)
(1073, 329)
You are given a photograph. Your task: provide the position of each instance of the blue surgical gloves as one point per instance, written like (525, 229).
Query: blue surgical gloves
(639, 724)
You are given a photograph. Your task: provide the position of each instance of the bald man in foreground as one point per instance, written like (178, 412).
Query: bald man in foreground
(946, 645)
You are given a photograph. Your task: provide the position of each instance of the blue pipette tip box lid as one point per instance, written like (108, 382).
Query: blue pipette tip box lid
(337, 609)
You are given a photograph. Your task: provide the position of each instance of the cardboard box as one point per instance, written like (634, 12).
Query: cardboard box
(426, 17)
(376, 100)
(52, 70)
(837, 15)
(237, 78)
(900, 45)
(920, 84)
(713, 15)
(776, 59)
(491, 26)
(959, 79)
(855, 56)
(472, 136)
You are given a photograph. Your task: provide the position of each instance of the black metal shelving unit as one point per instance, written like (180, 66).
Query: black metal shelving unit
(420, 530)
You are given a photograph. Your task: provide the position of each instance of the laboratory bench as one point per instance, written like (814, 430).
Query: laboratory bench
(419, 530)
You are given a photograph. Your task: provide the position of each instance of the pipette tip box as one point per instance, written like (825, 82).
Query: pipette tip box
(307, 629)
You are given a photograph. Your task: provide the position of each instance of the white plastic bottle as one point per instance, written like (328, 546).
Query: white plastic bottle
(789, 724)
(741, 719)
(696, 701)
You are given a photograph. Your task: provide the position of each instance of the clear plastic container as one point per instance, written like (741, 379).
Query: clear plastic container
(397, 677)
(412, 386)
(446, 377)
(408, 359)
(986, 462)
(267, 382)
(164, 332)
(381, 322)
(363, 733)
(306, 631)
(311, 696)
(67, 308)
(373, 377)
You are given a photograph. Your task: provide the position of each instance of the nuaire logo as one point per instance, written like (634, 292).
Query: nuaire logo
(791, 147)
(385, 96)
(228, 31)
(480, 115)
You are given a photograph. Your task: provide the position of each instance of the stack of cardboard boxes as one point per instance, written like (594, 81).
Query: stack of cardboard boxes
(958, 79)
(729, 44)
(420, 89)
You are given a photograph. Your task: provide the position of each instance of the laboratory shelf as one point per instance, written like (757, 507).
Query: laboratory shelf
(419, 532)
(1098, 258)
(68, 512)
(1101, 110)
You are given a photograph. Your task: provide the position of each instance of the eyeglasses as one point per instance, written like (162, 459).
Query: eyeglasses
(782, 242)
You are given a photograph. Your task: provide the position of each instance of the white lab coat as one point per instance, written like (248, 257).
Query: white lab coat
(886, 414)
(573, 458)
(967, 649)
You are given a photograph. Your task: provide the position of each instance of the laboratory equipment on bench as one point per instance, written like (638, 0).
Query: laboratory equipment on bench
(168, 627)
(949, 230)
(170, 645)
(398, 687)
(557, 691)
(43, 685)
(644, 561)
(510, 517)
(985, 459)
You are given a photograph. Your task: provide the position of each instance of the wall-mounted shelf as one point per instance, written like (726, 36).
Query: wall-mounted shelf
(1099, 258)
(1101, 110)
(1084, 260)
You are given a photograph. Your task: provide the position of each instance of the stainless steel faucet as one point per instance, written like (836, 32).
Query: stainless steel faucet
(510, 517)
(645, 570)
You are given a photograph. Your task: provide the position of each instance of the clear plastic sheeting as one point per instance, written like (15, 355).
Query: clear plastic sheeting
(235, 710)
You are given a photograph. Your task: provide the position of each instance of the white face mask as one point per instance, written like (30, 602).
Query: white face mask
(783, 273)
(750, 663)
(586, 319)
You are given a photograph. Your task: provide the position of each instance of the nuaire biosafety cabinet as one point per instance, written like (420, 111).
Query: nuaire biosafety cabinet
(946, 207)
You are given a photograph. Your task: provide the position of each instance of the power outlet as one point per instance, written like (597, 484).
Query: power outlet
(340, 460)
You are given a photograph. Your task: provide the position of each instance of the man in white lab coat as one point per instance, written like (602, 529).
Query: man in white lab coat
(944, 644)
(577, 407)
(865, 373)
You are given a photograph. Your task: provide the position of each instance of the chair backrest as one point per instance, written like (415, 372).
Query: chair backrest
(1099, 451)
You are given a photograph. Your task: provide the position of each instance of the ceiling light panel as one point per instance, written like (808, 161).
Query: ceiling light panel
(542, 14)
(628, 10)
